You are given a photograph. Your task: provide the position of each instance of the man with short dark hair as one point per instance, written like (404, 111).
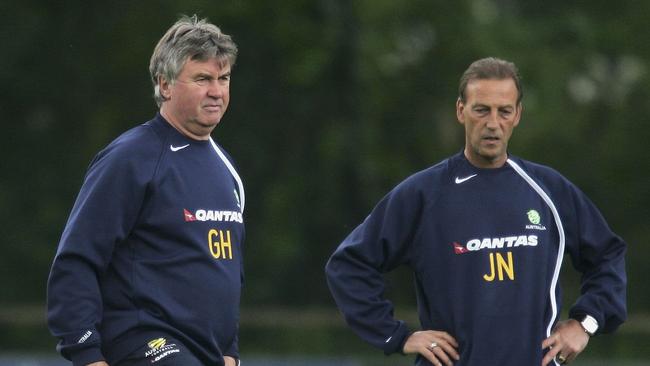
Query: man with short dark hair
(485, 233)
(149, 266)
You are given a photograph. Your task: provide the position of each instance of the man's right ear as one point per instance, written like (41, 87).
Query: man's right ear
(164, 87)
(460, 107)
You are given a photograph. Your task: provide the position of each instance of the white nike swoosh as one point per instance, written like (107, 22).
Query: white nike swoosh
(176, 148)
(461, 180)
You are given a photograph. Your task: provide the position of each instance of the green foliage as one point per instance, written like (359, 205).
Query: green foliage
(333, 103)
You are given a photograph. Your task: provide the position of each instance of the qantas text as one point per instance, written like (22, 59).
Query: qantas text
(498, 243)
(212, 215)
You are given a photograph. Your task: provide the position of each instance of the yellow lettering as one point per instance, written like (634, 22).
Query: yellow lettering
(508, 267)
(220, 247)
(502, 266)
(226, 245)
(215, 249)
(490, 277)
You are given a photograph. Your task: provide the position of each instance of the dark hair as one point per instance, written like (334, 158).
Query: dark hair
(490, 68)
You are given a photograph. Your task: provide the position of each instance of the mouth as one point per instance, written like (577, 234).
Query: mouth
(490, 138)
(212, 108)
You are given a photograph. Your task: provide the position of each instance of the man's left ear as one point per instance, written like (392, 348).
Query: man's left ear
(520, 109)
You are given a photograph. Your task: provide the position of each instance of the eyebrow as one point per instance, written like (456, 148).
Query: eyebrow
(483, 105)
(202, 74)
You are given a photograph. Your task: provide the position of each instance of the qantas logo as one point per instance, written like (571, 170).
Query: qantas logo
(477, 244)
(459, 248)
(188, 215)
(212, 215)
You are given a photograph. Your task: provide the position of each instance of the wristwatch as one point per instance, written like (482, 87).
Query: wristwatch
(589, 324)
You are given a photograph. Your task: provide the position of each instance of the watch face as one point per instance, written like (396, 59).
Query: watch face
(590, 324)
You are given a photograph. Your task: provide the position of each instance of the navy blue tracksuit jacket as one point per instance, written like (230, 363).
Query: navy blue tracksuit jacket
(152, 248)
(486, 247)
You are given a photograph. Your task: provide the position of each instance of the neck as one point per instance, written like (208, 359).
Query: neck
(200, 136)
(484, 163)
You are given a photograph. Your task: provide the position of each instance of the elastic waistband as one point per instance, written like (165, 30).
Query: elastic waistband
(127, 343)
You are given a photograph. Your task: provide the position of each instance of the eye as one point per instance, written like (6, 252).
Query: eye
(481, 110)
(202, 80)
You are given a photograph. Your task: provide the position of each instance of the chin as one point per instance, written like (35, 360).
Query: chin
(492, 152)
(210, 122)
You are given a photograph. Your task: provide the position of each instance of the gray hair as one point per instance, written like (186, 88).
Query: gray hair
(188, 39)
(490, 68)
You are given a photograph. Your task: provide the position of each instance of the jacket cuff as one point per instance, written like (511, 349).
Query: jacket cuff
(395, 343)
(85, 356)
(579, 313)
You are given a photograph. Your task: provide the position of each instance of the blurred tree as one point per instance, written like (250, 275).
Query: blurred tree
(333, 103)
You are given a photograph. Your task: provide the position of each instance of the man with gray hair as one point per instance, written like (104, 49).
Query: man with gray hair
(149, 267)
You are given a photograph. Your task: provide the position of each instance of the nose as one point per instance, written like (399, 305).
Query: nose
(217, 89)
(492, 119)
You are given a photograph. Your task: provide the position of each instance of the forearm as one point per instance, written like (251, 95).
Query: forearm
(361, 301)
(74, 309)
(603, 289)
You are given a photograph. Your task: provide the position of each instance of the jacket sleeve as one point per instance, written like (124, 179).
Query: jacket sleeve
(355, 270)
(599, 254)
(233, 350)
(102, 216)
